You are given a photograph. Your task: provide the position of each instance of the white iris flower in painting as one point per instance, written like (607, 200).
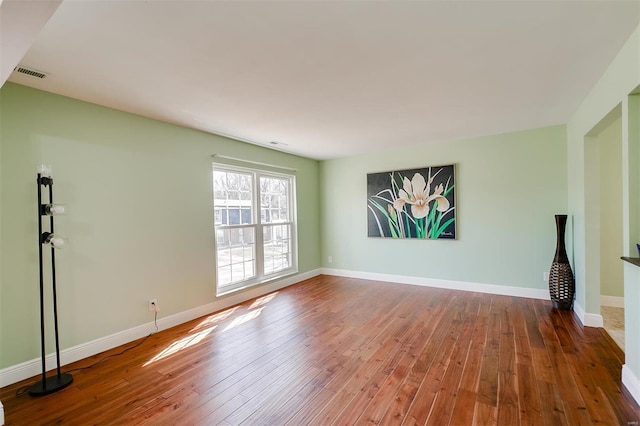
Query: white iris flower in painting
(416, 194)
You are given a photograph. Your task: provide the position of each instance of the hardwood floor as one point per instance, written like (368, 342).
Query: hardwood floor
(346, 351)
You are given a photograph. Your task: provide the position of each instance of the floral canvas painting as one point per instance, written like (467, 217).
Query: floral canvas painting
(415, 203)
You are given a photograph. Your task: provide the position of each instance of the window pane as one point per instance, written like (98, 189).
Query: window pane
(273, 205)
(277, 248)
(232, 196)
(224, 275)
(245, 183)
(234, 216)
(236, 255)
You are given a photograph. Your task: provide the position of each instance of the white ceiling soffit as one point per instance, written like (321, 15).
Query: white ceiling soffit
(20, 22)
(328, 78)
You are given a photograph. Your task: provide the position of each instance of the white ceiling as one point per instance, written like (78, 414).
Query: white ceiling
(20, 22)
(334, 78)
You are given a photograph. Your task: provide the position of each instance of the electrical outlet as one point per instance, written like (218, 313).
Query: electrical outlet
(330, 259)
(545, 276)
(153, 305)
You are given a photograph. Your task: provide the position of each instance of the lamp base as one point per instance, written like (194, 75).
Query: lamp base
(51, 384)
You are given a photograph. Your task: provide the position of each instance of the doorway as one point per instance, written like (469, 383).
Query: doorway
(604, 220)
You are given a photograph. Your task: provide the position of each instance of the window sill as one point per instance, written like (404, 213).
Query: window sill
(249, 285)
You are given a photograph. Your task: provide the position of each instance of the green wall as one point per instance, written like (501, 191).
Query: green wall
(139, 225)
(610, 177)
(610, 94)
(508, 187)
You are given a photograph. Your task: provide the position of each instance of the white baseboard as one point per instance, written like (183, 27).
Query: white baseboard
(33, 367)
(631, 382)
(613, 301)
(588, 320)
(532, 293)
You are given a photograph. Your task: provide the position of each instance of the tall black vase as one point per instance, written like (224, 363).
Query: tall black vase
(562, 286)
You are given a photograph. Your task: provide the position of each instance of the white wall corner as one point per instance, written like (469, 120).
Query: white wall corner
(1, 414)
(33, 367)
(587, 320)
(613, 301)
(631, 382)
(532, 293)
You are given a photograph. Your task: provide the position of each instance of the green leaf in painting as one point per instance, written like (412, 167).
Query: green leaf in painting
(443, 227)
(382, 209)
(392, 226)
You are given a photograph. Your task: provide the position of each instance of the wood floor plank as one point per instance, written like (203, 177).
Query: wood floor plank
(442, 409)
(284, 411)
(484, 415)
(508, 412)
(218, 413)
(363, 386)
(463, 408)
(421, 406)
(310, 408)
(471, 373)
(576, 415)
(520, 331)
(384, 385)
(265, 405)
(528, 398)
(542, 365)
(423, 356)
(335, 350)
(567, 386)
(488, 385)
(553, 412)
(391, 383)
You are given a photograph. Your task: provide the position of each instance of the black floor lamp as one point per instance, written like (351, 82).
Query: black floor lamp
(54, 383)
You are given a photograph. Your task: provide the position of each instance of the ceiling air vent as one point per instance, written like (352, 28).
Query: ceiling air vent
(32, 73)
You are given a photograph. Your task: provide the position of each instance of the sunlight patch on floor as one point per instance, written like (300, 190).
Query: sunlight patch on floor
(206, 326)
(263, 300)
(179, 345)
(244, 318)
(214, 319)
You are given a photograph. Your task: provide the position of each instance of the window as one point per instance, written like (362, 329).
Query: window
(255, 241)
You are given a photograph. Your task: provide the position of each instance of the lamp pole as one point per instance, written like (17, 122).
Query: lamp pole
(60, 380)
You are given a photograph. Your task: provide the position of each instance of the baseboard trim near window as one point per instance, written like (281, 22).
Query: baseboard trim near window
(268, 280)
(532, 293)
(33, 367)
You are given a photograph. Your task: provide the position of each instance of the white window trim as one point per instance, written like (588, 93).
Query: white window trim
(258, 226)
